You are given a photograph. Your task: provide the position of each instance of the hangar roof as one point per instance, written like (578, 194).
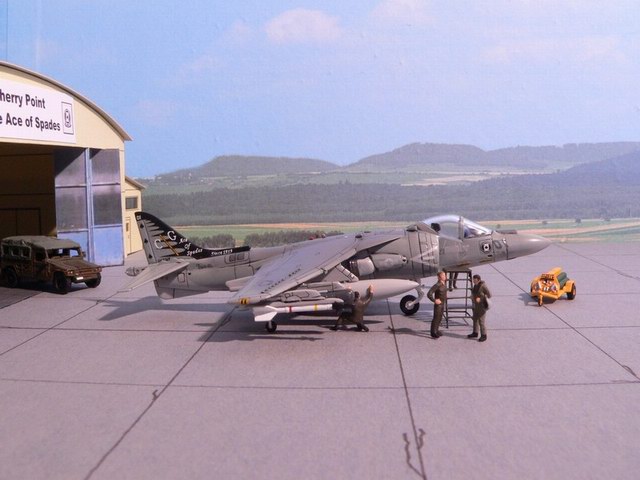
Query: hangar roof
(134, 183)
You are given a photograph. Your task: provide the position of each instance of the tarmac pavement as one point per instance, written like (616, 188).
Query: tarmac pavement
(102, 385)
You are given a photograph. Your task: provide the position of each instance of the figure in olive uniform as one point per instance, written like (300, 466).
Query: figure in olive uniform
(438, 295)
(357, 311)
(480, 293)
(452, 278)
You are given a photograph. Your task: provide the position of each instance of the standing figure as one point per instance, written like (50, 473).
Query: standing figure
(357, 312)
(438, 295)
(480, 293)
(453, 280)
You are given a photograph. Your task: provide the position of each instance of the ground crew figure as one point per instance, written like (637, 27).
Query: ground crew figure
(438, 295)
(479, 293)
(345, 316)
(357, 312)
(453, 280)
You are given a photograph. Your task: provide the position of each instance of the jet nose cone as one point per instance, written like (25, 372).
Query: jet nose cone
(520, 244)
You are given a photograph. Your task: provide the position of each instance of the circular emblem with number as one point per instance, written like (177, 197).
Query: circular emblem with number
(486, 247)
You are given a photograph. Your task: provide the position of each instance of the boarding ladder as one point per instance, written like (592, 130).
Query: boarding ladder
(459, 297)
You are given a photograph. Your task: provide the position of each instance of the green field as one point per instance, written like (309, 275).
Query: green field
(616, 230)
(415, 175)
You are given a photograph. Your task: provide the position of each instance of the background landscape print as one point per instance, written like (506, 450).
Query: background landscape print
(593, 188)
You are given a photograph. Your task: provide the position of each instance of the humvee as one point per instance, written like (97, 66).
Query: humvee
(46, 259)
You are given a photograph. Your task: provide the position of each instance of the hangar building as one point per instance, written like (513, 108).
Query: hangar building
(62, 166)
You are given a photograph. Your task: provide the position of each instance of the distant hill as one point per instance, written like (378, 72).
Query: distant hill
(424, 154)
(623, 170)
(416, 154)
(237, 165)
(412, 157)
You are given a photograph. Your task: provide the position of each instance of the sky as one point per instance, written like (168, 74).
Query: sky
(333, 80)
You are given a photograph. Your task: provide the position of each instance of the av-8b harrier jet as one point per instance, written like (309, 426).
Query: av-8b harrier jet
(322, 274)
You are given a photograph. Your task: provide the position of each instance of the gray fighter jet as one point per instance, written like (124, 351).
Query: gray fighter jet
(322, 274)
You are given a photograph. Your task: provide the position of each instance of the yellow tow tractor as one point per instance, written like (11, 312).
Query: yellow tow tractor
(553, 284)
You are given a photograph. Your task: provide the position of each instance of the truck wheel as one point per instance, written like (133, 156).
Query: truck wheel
(11, 277)
(572, 294)
(61, 284)
(94, 283)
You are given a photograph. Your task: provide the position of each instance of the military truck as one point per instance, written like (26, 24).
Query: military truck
(46, 259)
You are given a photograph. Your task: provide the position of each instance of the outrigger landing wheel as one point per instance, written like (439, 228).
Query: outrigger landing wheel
(271, 326)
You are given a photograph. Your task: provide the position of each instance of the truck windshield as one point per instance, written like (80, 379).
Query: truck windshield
(63, 252)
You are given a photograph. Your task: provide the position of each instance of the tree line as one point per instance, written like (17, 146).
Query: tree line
(520, 197)
(266, 239)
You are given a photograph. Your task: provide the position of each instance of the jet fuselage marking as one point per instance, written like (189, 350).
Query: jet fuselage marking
(164, 239)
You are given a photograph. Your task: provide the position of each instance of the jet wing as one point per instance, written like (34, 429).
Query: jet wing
(155, 271)
(301, 263)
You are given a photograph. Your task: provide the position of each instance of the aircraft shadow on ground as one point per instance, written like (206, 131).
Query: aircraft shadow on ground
(422, 331)
(124, 309)
(288, 329)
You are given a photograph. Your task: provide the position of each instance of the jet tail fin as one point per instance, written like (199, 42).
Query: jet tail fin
(162, 242)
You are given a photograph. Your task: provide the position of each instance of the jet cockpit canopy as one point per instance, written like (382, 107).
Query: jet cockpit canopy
(456, 226)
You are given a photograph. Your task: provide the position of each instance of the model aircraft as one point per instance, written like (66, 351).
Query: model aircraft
(322, 274)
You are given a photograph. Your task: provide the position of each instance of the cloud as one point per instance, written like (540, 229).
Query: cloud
(584, 50)
(239, 33)
(155, 113)
(194, 71)
(303, 26)
(402, 12)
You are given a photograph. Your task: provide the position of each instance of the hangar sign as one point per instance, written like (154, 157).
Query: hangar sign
(33, 113)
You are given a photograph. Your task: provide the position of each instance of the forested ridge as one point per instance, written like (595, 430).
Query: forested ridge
(604, 189)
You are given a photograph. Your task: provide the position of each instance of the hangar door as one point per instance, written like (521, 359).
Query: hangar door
(19, 221)
(89, 202)
(26, 190)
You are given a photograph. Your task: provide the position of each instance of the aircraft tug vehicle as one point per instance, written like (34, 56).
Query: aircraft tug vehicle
(553, 285)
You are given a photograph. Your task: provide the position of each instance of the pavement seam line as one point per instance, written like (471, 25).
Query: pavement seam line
(619, 272)
(53, 327)
(626, 368)
(252, 387)
(419, 439)
(156, 396)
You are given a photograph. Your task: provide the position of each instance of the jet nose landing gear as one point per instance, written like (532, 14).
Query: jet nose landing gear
(409, 305)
